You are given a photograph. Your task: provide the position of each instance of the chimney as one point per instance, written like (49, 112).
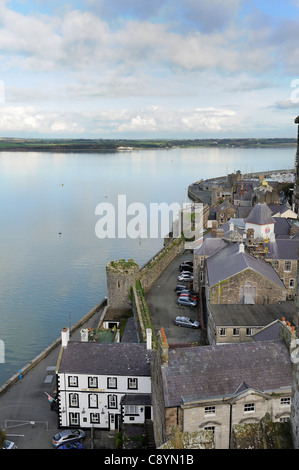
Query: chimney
(214, 227)
(164, 347)
(148, 338)
(219, 233)
(84, 335)
(241, 248)
(65, 336)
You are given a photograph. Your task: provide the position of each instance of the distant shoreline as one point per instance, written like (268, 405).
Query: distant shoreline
(123, 145)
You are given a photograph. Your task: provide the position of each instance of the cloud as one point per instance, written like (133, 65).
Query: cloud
(18, 119)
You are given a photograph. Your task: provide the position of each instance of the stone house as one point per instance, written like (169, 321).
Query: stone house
(216, 388)
(235, 277)
(241, 323)
(224, 212)
(103, 385)
(283, 256)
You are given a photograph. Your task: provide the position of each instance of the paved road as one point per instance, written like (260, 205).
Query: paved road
(163, 307)
(25, 412)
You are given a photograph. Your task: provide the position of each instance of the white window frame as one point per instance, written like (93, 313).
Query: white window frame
(95, 418)
(210, 410)
(112, 402)
(131, 409)
(285, 401)
(222, 331)
(249, 408)
(90, 404)
(74, 400)
(73, 381)
(112, 382)
(132, 383)
(92, 382)
(74, 419)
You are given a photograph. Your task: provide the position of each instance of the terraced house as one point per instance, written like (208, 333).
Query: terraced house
(103, 385)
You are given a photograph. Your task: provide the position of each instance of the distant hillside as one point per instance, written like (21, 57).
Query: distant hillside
(95, 145)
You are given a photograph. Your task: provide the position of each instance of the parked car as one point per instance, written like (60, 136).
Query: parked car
(186, 267)
(67, 435)
(72, 445)
(186, 295)
(185, 277)
(190, 292)
(188, 262)
(9, 445)
(186, 301)
(179, 288)
(187, 322)
(183, 291)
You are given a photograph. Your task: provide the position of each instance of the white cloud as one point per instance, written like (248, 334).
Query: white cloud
(142, 67)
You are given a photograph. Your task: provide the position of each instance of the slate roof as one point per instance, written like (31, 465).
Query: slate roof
(268, 333)
(260, 215)
(256, 315)
(204, 372)
(106, 359)
(229, 262)
(283, 249)
(137, 399)
(209, 246)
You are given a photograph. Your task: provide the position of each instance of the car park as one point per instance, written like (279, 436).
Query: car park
(187, 322)
(186, 301)
(185, 277)
(67, 435)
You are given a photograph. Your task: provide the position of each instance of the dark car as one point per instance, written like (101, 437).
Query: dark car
(187, 322)
(179, 288)
(186, 267)
(188, 262)
(67, 435)
(72, 445)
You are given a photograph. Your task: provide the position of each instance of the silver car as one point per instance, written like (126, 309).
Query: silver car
(186, 321)
(9, 445)
(67, 435)
(186, 301)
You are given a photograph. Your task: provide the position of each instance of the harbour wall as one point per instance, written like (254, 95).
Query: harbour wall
(15, 378)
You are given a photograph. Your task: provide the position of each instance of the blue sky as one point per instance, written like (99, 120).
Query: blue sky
(149, 69)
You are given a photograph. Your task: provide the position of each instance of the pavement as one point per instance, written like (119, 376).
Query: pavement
(25, 412)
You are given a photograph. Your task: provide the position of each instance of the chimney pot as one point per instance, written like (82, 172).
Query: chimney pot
(65, 336)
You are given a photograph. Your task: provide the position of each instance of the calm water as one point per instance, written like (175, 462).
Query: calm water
(52, 264)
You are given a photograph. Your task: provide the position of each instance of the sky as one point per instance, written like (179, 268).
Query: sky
(139, 69)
